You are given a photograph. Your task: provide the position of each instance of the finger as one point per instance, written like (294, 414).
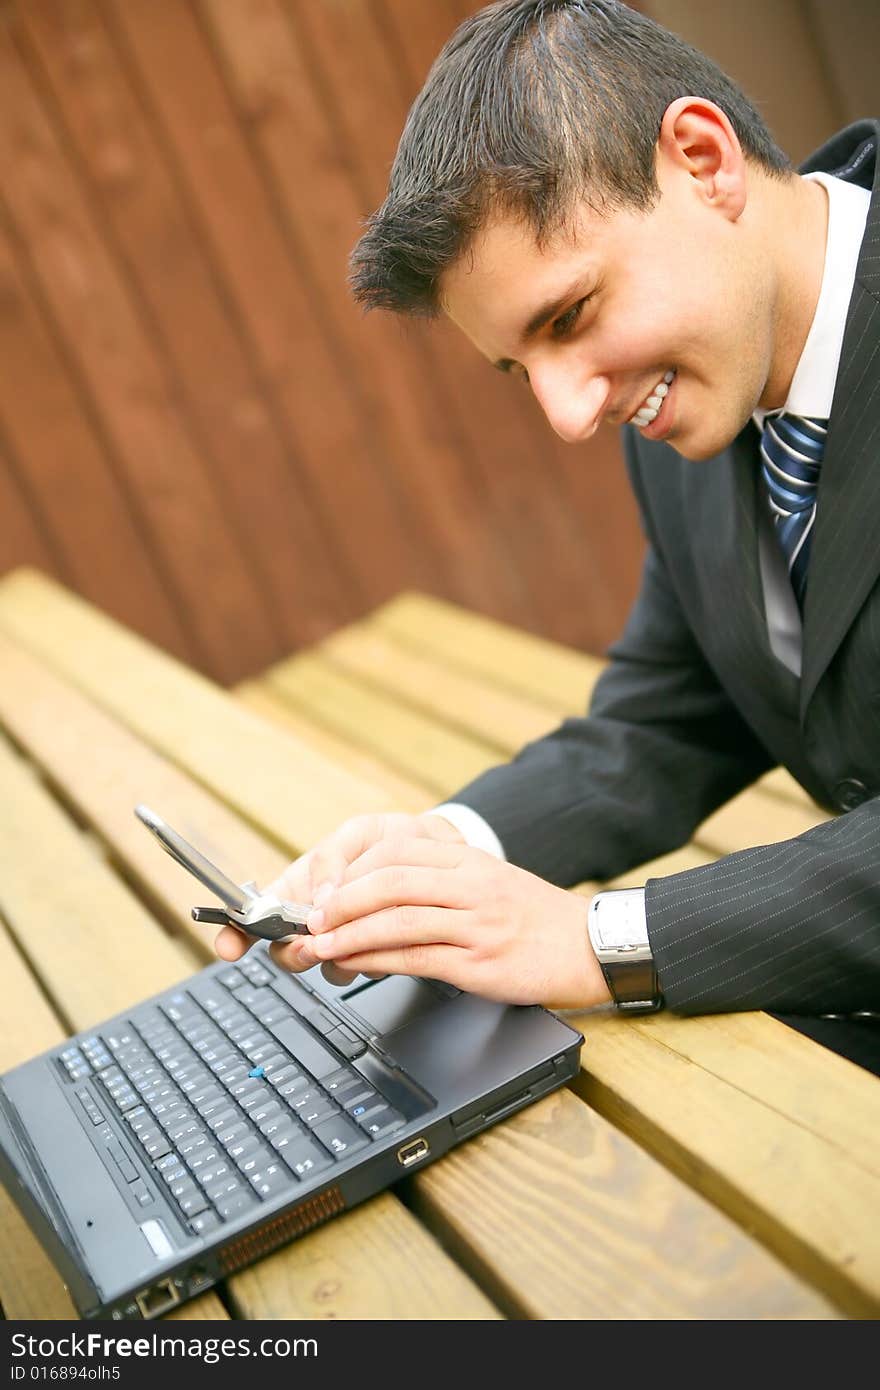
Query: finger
(406, 849)
(335, 975)
(392, 929)
(231, 944)
(329, 860)
(392, 887)
(433, 962)
(294, 956)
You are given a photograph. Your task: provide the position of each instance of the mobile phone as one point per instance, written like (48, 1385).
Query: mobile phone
(192, 859)
(261, 914)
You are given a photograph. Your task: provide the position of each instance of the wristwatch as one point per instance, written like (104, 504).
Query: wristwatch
(619, 936)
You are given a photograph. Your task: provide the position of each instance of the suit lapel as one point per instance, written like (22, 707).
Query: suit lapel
(845, 554)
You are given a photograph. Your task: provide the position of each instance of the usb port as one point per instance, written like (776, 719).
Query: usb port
(410, 1153)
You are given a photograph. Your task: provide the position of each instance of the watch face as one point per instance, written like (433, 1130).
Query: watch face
(619, 921)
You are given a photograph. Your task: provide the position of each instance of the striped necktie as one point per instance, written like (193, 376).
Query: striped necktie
(791, 448)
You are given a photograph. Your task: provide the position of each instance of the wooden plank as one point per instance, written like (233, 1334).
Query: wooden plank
(67, 469)
(53, 722)
(343, 469)
(785, 1142)
(411, 743)
(281, 785)
(407, 795)
(127, 381)
(147, 220)
(607, 1224)
(455, 698)
(547, 672)
(344, 1270)
(66, 910)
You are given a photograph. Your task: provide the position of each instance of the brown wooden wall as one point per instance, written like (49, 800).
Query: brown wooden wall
(198, 430)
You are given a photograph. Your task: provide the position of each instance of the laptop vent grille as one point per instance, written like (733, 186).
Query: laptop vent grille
(293, 1223)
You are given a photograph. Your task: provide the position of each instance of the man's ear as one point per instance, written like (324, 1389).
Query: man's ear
(697, 139)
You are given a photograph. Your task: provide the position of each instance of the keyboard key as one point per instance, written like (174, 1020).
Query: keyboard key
(359, 1099)
(256, 974)
(340, 1136)
(155, 1144)
(234, 1204)
(348, 1042)
(242, 1148)
(223, 1119)
(192, 1203)
(255, 1160)
(286, 1137)
(306, 1159)
(308, 1051)
(380, 1120)
(232, 978)
(271, 1181)
(231, 1133)
(340, 1080)
(277, 1124)
(212, 1173)
(285, 1072)
(192, 1143)
(294, 1087)
(259, 1113)
(255, 1098)
(316, 1109)
(206, 1221)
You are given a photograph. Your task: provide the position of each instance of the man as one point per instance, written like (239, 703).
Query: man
(606, 217)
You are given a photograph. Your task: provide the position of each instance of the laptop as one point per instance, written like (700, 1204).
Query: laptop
(183, 1139)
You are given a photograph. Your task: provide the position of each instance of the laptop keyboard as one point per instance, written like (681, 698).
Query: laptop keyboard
(231, 1093)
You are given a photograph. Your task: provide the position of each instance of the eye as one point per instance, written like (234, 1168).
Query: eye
(561, 327)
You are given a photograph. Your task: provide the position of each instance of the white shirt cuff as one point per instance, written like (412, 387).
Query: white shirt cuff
(477, 832)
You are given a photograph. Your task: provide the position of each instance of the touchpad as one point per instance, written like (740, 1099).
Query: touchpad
(387, 1004)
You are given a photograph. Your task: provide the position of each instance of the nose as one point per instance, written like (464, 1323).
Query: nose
(572, 403)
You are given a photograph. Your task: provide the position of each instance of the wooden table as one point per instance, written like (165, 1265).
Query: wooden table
(721, 1167)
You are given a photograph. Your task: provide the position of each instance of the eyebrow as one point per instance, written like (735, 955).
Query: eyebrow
(541, 316)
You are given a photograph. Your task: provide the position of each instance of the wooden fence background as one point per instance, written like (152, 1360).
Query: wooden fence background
(198, 430)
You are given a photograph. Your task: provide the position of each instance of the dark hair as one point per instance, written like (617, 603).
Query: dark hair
(531, 106)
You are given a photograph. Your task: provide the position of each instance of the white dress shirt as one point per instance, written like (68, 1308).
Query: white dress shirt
(811, 393)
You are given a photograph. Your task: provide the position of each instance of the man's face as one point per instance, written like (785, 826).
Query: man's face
(603, 314)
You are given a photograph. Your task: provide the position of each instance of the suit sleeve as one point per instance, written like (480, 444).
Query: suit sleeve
(661, 747)
(793, 926)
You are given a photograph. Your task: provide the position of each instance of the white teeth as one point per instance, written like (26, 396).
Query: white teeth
(650, 408)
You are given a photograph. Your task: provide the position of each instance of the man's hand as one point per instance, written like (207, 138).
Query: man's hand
(311, 878)
(413, 904)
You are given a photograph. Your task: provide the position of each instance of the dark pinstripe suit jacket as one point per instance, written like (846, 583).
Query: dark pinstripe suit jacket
(694, 706)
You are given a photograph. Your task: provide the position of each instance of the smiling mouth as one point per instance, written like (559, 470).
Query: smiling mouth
(653, 402)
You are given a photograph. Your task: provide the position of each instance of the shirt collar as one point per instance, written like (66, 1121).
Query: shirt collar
(812, 386)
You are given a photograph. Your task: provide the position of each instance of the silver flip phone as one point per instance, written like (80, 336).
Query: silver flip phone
(245, 906)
